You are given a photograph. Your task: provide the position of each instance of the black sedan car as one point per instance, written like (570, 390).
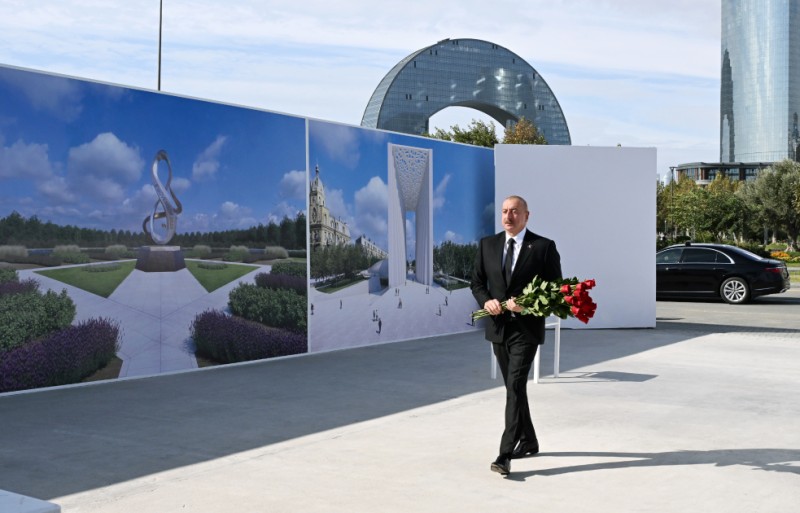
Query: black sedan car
(717, 270)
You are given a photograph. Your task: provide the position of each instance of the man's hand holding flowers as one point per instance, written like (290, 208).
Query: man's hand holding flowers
(562, 298)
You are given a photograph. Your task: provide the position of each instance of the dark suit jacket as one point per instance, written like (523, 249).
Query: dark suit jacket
(538, 257)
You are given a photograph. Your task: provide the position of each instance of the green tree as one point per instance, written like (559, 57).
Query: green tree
(523, 132)
(300, 231)
(288, 233)
(725, 210)
(477, 133)
(774, 194)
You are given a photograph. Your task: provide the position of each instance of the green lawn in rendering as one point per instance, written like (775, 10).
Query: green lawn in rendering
(212, 279)
(100, 283)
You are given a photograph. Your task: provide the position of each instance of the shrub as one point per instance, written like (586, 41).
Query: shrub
(238, 254)
(229, 339)
(14, 253)
(70, 254)
(8, 275)
(24, 317)
(201, 251)
(290, 268)
(117, 251)
(275, 253)
(212, 266)
(298, 253)
(282, 281)
(780, 255)
(61, 358)
(278, 308)
(19, 287)
(102, 268)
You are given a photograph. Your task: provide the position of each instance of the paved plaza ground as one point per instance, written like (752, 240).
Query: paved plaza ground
(698, 414)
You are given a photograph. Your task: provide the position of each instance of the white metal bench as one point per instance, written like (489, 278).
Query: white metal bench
(551, 322)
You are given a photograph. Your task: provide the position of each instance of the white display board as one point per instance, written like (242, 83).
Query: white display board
(599, 206)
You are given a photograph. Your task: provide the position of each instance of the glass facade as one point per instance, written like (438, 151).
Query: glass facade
(760, 90)
(464, 73)
(705, 172)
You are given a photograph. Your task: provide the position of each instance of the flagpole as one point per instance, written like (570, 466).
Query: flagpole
(160, 18)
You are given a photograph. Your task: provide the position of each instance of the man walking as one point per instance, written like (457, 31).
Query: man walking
(504, 265)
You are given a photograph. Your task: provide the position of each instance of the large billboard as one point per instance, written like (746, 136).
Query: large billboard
(143, 233)
(93, 176)
(394, 220)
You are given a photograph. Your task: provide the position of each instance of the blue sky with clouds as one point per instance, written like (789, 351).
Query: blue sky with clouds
(630, 72)
(353, 164)
(76, 152)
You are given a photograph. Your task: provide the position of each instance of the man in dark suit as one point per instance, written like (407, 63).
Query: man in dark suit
(502, 269)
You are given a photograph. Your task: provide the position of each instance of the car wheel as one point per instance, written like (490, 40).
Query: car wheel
(735, 291)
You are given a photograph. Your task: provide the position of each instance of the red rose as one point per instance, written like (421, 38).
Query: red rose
(589, 284)
(566, 289)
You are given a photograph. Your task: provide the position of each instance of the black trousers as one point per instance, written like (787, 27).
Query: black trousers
(515, 356)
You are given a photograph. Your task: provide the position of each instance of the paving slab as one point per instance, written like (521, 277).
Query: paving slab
(698, 414)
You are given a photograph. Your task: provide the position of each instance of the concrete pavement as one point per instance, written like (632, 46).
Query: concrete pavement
(699, 414)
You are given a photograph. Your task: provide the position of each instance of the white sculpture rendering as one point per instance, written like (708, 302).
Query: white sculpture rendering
(410, 190)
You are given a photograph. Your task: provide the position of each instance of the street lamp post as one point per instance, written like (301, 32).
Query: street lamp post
(672, 199)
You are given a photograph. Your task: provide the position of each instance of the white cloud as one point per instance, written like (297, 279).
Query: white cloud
(102, 168)
(56, 189)
(22, 160)
(371, 206)
(334, 200)
(106, 156)
(453, 236)
(293, 185)
(180, 185)
(281, 210)
(206, 165)
(340, 142)
(439, 192)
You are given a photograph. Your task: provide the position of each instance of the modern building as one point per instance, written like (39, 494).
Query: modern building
(370, 249)
(464, 73)
(703, 173)
(324, 228)
(760, 90)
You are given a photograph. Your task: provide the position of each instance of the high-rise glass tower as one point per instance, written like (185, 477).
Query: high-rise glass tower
(760, 92)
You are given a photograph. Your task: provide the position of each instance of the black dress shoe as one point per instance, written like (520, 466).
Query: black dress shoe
(525, 449)
(501, 465)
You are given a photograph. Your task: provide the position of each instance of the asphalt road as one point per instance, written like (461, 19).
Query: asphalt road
(776, 311)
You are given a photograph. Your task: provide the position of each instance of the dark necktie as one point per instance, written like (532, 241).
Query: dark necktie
(509, 261)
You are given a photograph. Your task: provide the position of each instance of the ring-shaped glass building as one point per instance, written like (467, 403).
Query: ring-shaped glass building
(464, 73)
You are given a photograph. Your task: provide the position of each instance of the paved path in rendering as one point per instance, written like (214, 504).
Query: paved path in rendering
(345, 319)
(155, 312)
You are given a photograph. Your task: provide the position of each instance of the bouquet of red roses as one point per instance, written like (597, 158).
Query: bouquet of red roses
(562, 298)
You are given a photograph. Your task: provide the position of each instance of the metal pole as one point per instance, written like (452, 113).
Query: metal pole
(160, 18)
(672, 200)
